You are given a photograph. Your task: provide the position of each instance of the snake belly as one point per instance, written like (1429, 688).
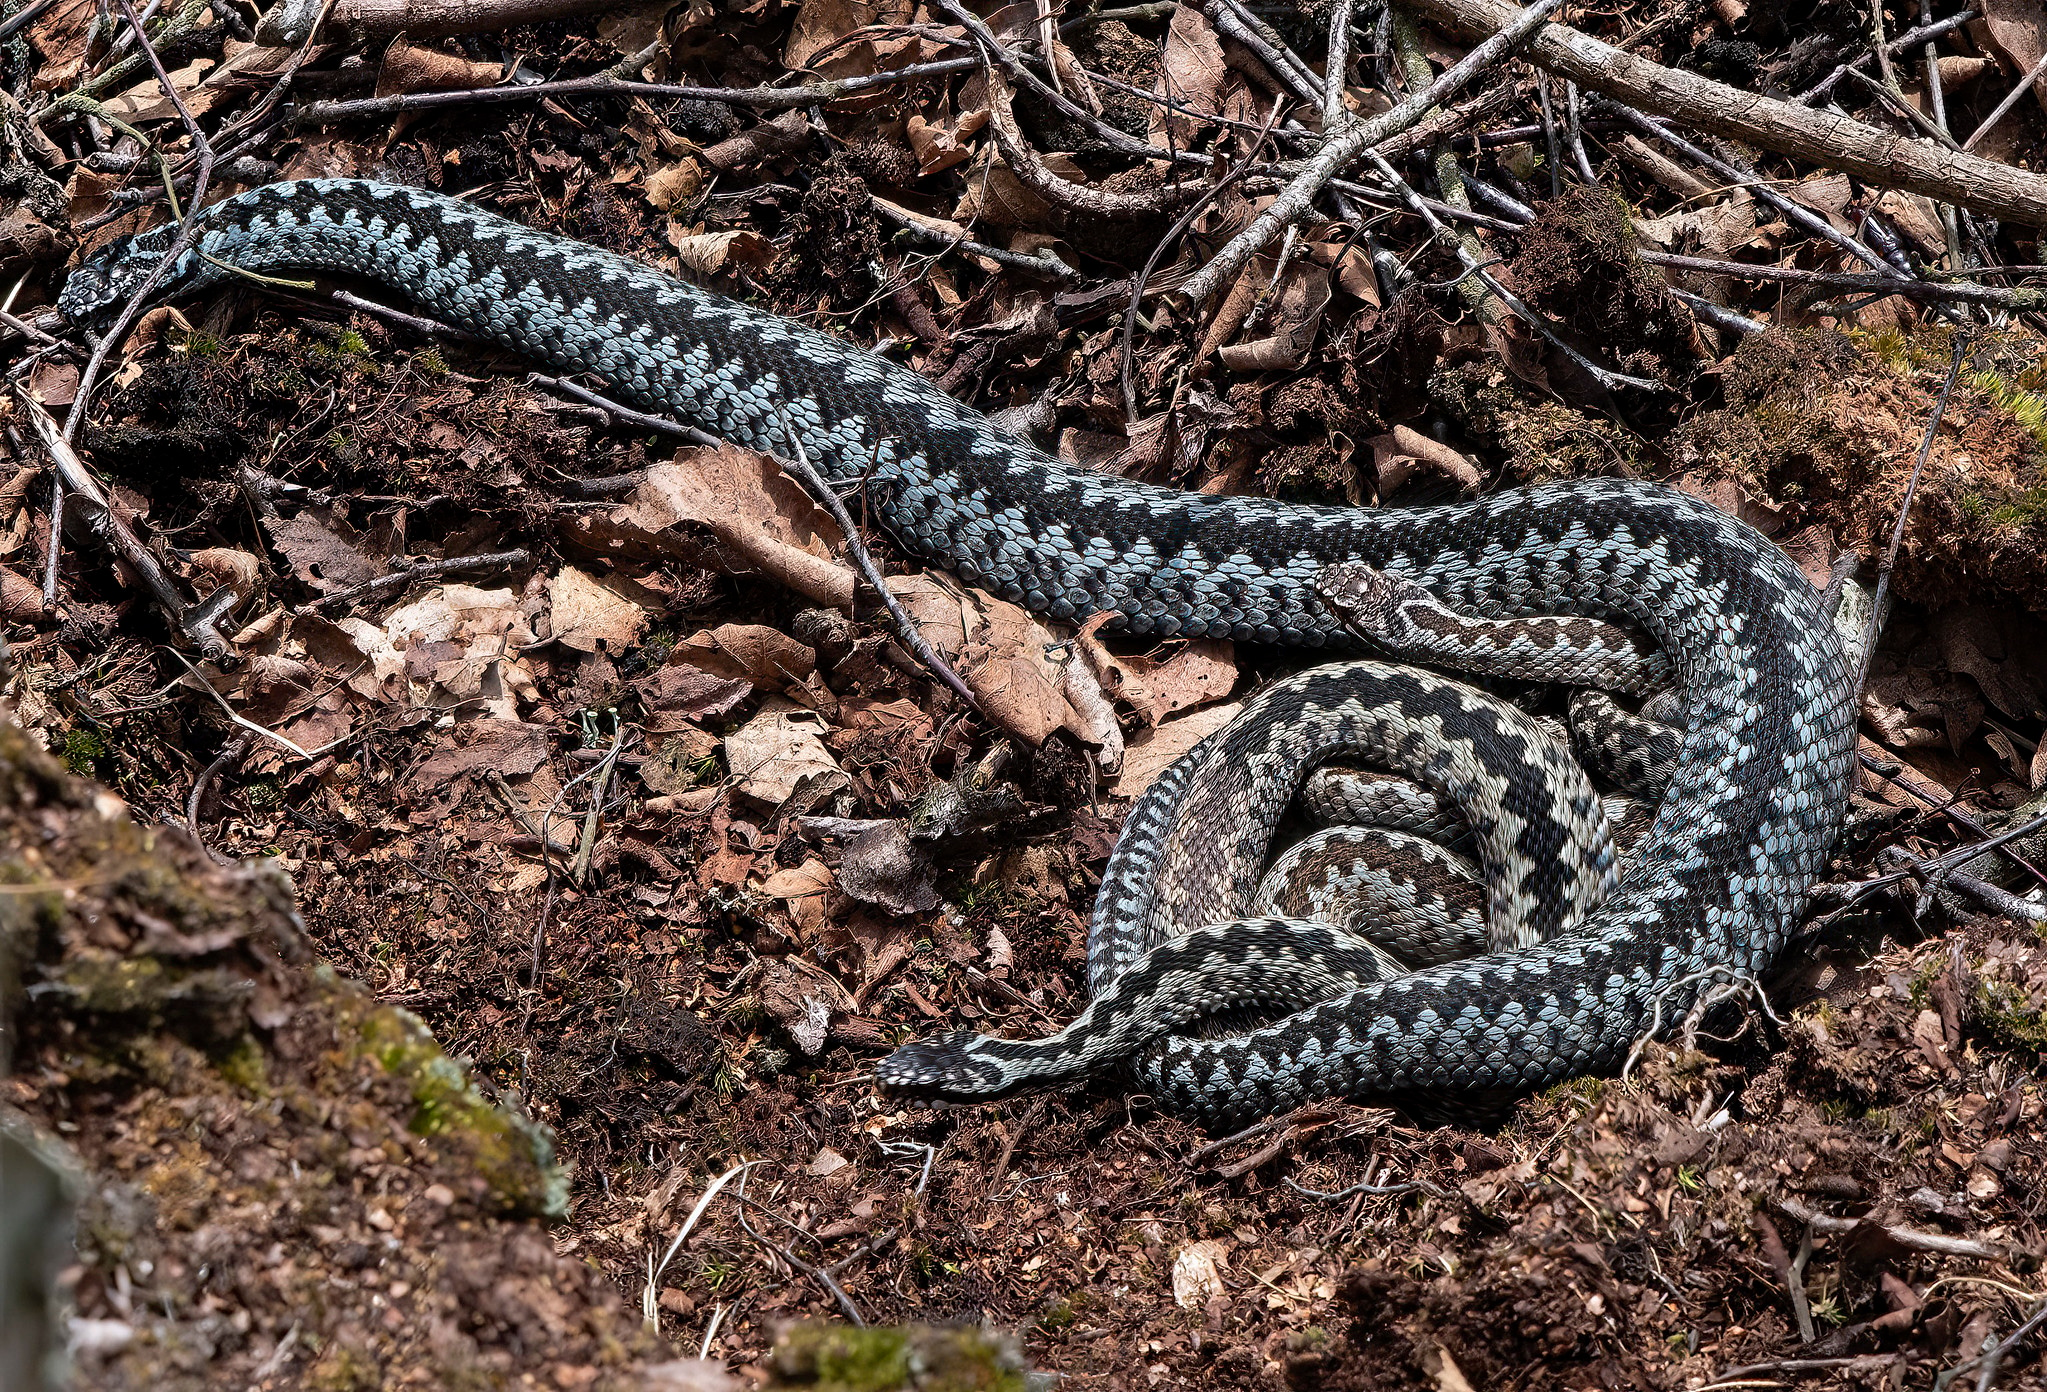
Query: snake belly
(1755, 795)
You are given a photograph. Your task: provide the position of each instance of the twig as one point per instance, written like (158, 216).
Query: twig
(1939, 1244)
(1336, 70)
(231, 754)
(1345, 1193)
(1992, 1355)
(797, 1263)
(1890, 560)
(1126, 348)
(625, 413)
(198, 622)
(952, 237)
(1879, 157)
(906, 627)
(1604, 376)
(1032, 172)
(1577, 134)
(406, 574)
(2019, 297)
(53, 551)
(1294, 201)
(1821, 90)
(602, 85)
(595, 817)
(188, 234)
(19, 22)
(2011, 99)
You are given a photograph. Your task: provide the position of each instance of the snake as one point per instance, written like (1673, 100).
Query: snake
(1753, 792)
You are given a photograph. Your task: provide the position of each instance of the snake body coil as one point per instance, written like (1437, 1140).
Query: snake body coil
(1755, 793)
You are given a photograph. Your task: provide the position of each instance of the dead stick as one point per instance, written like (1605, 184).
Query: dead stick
(198, 622)
(906, 627)
(1821, 90)
(1939, 1244)
(405, 575)
(1839, 142)
(1293, 202)
(1890, 560)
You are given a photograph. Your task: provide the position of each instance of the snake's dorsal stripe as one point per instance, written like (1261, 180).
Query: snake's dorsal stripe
(1760, 779)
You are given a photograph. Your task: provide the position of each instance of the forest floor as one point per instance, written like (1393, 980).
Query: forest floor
(582, 773)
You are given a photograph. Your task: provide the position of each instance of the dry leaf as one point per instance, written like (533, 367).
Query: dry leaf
(1191, 73)
(707, 252)
(407, 68)
(761, 520)
(1196, 1280)
(1201, 671)
(675, 186)
(1151, 752)
(1403, 452)
(883, 868)
(781, 752)
(589, 616)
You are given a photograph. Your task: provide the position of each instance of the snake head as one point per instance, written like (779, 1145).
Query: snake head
(104, 281)
(1368, 600)
(945, 1066)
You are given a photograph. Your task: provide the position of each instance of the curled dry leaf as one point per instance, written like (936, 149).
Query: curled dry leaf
(407, 68)
(230, 565)
(762, 655)
(1191, 74)
(882, 867)
(1196, 1278)
(1201, 671)
(1402, 453)
(804, 997)
(707, 253)
(781, 752)
(823, 24)
(756, 515)
(676, 186)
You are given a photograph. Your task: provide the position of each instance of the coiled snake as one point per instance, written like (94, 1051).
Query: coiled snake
(1755, 795)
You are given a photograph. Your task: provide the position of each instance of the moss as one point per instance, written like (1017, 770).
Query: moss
(246, 1066)
(1541, 440)
(513, 1156)
(2011, 1018)
(913, 1358)
(83, 749)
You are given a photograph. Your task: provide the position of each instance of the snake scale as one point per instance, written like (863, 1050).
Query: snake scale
(1755, 792)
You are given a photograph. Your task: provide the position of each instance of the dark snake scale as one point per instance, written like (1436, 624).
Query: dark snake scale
(1755, 790)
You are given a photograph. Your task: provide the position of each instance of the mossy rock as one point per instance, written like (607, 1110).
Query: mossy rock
(904, 1358)
(512, 1155)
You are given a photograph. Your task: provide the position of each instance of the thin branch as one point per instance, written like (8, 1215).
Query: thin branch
(1890, 560)
(415, 570)
(906, 627)
(1824, 88)
(1827, 138)
(1294, 201)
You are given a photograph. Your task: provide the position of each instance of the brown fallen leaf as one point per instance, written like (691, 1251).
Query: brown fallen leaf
(590, 616)
(507, 747)
(781, 752)
(1151, 752)
(1197, 673)
(408, 68)
(1402, 453)
(758, 518)
(882, 867)
(1191, 74)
